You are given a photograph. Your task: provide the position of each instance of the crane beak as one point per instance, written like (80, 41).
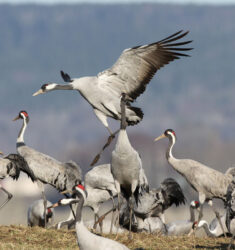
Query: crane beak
(1, 153)
(54, 205)
(17, 118)
(40, 91)
(67, 192)
(160, 137)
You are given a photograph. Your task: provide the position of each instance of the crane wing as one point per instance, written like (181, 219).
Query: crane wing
(136, 66)
(20, 164)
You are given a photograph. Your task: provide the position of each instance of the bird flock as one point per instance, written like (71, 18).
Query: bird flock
(135, 206)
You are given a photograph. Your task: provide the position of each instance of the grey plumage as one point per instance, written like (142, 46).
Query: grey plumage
(87, 240)
(99, 184)
(209, 183)
(155, 202)
(11, 165)
(36, 214)
(47, 170)
(126, 165)
(130, 74)
(230, 207)
(230, 210)
(182, 227)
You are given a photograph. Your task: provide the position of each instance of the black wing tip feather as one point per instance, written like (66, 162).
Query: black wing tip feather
(138, 113)
(169, 47)
(66, 77)
(176, 36)
(22, 165)
(173, 191)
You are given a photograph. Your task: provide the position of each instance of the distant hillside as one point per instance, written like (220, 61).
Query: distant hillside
(195, 95)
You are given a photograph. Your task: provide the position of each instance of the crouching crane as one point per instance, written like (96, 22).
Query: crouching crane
(36, 214)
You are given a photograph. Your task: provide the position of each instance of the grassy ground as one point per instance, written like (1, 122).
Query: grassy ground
(21, 237)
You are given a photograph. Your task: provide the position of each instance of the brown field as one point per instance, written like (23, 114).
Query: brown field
(21, 237)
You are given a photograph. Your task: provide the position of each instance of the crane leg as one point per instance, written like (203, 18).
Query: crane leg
(97, 220)
(114, 208)
(230, 244)
(130, 202)
(200, 215)
(102, 217)
(118, 214)
(8, 198)
(217, 216)
(110, 138)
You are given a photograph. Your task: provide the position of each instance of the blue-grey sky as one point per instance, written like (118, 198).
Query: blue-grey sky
(121, 1)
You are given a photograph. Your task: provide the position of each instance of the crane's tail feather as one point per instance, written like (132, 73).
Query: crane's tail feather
(133, 115)
(172, 192)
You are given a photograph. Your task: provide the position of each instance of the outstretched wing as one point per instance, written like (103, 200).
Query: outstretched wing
(136, 66)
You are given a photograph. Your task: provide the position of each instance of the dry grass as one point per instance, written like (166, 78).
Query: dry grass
(21, 237)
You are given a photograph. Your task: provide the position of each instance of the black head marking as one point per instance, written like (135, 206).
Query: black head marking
(44, 86)
(23, 113)
(168, 131)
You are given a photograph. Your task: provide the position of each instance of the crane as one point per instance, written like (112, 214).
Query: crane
(155, 202)
(130, 74)
(213, 229)
(99, 184)
(230, 210)
(11, 165)
(208, 182)
(182, 227)
(36, 214)
(126, 166)
(87, 240)
(47, 170)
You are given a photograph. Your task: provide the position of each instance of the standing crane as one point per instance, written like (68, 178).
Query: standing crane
(11, 165)
(99, 184)
(208, 182)
(87, 240)
(47, 170)
(36, 214)
(126, 166)
(130, 74)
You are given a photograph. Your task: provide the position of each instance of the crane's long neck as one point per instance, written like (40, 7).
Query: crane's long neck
(169, 154)
(192, 214)
(207, 230)
(56, 86)
(79, 209)
(20, 138)
(123, 114)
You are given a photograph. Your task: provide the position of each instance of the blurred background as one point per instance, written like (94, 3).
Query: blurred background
(194, 96)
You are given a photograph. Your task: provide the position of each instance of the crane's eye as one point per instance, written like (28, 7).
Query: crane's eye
(44, 86)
